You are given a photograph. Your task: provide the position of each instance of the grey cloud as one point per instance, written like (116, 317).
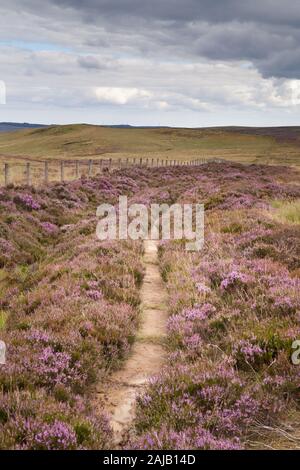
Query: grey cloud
(265, 11)
(236, 41)
(188, 57)
(284, 63)
(91, 62)
(258, 30)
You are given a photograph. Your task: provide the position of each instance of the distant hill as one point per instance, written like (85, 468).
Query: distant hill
(241, 144)
(15, 126)
(281, 133)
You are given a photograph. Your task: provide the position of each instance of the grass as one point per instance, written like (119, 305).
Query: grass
(3, 318)
(287, 211)
(81, 140)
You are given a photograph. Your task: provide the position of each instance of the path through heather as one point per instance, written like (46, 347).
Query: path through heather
(147, 355)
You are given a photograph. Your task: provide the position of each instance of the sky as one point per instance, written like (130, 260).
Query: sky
(191, 63)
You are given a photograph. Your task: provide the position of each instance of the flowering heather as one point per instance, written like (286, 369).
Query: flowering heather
(235, 278)
(247, 351)
(71, 305)
(94, 294)
(234, 313)
(43, 436)
(27, 201)
(70, 318)
(37, 421)
(49, 228)
(191, 439)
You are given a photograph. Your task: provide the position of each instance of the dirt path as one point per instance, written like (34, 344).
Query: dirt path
(147, 355)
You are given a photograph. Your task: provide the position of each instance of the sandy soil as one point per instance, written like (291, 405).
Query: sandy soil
(147, 355)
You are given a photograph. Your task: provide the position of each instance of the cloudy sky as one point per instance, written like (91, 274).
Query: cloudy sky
(159, 62)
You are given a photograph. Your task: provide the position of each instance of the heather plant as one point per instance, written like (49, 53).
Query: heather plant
(26, 201)
(70, 309)
(234, 312)
(36, 421)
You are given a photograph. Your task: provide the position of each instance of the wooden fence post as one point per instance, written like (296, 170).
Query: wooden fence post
(28, 173)
(6, 174)
(62, 171)
(90, 167)
(77, 169)
(46, 173)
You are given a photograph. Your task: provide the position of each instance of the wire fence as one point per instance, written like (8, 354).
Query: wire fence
(38, 172)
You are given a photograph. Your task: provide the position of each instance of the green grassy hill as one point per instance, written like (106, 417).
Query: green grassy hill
(269, 145)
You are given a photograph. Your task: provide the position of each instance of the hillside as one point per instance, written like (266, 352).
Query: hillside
(15, 126)
(265, 145)
(137, 344)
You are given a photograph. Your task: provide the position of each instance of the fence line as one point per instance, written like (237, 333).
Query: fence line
(93, 167)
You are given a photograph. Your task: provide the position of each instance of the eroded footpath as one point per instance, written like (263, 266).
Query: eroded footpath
(147, 355)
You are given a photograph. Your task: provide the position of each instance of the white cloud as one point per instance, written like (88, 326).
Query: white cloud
(2, 92)
(148, 69)
(287, 93)
(121, 96)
